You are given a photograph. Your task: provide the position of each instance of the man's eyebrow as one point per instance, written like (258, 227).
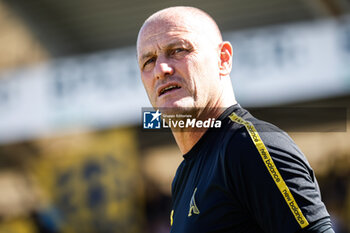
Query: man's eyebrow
(146, 55)
(183, 43)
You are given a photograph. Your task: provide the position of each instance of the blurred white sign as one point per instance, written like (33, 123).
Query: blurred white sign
(271, 66)
(91, 92)
(291, 63)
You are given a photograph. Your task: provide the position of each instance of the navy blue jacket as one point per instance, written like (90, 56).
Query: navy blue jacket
(247, 176)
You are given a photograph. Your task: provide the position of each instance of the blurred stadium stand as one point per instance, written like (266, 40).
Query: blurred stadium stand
(75, 27)
(63, 166)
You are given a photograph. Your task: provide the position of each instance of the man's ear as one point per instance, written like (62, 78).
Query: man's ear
(225, 58)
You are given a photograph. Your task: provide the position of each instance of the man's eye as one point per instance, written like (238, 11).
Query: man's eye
(178, 50)
(149, 61)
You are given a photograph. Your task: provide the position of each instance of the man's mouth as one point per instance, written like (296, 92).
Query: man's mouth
(168, 89)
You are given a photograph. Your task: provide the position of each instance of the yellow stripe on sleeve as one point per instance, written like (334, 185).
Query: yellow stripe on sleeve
(270, 165)
(171, 217)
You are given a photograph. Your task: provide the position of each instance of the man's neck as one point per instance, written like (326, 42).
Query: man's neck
(187, 138)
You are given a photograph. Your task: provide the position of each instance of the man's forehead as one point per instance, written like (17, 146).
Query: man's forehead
(164, 26)
(165, 35)
(181, 18)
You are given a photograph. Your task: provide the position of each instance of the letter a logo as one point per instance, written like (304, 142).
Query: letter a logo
(193, 206)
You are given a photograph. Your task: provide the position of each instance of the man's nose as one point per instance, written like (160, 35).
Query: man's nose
(163, 68)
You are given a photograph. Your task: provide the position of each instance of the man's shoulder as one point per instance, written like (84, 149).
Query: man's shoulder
(241, 126)
(244, 132)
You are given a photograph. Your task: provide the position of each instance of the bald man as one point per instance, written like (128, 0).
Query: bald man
(245, 175)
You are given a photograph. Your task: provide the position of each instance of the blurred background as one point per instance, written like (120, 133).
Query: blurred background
(73, 154)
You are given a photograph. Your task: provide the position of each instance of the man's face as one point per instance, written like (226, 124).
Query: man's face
(179, 65)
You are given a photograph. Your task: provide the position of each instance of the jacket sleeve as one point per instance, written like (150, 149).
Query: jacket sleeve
(320, 226)
(279, 191)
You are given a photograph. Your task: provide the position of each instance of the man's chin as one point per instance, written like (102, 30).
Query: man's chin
(175, 108)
